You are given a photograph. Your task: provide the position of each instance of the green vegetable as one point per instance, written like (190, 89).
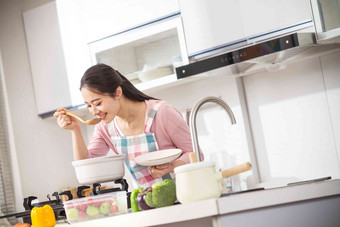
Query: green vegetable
(141, 199)
(163, 194)
(133, 199)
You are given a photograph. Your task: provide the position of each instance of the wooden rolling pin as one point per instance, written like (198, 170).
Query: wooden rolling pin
(236, 170)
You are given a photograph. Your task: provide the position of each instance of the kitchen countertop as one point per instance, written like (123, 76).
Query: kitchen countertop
(223, 206)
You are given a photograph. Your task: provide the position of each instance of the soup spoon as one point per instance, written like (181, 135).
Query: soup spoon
(86, 122)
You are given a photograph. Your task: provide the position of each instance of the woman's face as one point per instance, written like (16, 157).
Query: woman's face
(102, 105)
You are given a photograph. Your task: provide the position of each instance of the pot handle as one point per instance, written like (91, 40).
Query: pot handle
(236, 170)
(192, 157)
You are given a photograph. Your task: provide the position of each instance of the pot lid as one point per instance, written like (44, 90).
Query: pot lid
(193, 166)
(97, 160)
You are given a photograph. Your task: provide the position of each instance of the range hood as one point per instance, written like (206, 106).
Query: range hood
(271, 53)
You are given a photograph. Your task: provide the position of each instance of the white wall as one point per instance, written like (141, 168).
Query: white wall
(43, 150)
(295, 119)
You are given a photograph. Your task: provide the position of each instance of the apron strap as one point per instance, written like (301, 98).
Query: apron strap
(151, 115)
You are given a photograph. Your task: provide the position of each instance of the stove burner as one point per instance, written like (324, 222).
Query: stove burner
(56, 205)
(80, 190)
(123, 182)
(96, 188)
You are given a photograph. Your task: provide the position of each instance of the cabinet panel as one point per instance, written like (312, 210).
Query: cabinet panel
(208, 24)
(103, 18)
(212, 24)
(46, 57)
(266, 15)
(326, 14)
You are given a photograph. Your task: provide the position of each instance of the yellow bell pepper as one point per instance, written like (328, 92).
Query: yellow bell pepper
(43, 216)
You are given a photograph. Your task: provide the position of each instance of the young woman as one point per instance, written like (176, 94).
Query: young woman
(132, 124)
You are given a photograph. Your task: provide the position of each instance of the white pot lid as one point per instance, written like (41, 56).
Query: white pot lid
(193, 166)
(97, 160)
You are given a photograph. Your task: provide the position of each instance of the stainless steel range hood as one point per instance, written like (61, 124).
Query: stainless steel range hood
(267, 54)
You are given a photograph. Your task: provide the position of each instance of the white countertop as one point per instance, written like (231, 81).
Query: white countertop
(221, 206)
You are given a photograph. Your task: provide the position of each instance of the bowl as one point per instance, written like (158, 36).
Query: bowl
(99, 170)
(151, 74)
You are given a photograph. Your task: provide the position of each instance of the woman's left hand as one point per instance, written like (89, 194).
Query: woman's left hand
(160, 170)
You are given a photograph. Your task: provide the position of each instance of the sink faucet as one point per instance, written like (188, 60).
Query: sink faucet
(192, 119)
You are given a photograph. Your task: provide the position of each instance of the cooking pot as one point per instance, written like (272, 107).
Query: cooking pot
(200, 180)
(99, 170)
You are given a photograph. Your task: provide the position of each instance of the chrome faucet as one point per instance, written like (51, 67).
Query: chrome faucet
(192, 119)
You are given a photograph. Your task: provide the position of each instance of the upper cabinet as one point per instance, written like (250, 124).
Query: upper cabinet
(261, 16)
(208, 24)
(59, 35)
(326, 15)
(213, 24)
(99, 19)
(147, 54)
(47, 58)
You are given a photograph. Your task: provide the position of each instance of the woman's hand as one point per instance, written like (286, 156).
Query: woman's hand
(64, 121)
(160, 170)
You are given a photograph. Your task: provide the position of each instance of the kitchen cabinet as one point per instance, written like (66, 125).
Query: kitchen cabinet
(58, 34)
(326, 14)
(302, 202)
(100, 19)
(261, 16)
(47, 60)
(208, 24)
(218, 24)
(146, 54)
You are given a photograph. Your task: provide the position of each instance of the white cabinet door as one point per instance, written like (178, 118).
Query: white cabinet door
(46, 57)
(260, 16)
(209, 23)
(99, 19)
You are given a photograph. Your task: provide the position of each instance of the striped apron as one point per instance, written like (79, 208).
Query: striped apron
(133, 146)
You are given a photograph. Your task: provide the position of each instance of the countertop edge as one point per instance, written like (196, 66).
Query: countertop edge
(222, 206)
(278, 196)
(154, 217)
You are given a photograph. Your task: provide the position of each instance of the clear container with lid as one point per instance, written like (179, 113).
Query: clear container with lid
(93, 207)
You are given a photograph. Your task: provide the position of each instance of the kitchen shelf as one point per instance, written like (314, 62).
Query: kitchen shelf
(152, 45)
(156, 83)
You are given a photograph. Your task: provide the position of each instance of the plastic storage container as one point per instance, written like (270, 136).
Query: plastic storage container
(93, 207)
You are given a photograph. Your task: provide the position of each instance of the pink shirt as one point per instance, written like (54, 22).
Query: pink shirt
(169, 128)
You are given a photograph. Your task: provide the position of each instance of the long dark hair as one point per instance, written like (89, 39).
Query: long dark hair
(104, 79)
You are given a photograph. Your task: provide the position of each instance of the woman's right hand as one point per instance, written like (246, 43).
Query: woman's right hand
(64, 121)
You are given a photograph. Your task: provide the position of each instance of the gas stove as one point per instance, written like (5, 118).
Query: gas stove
(57, 204)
